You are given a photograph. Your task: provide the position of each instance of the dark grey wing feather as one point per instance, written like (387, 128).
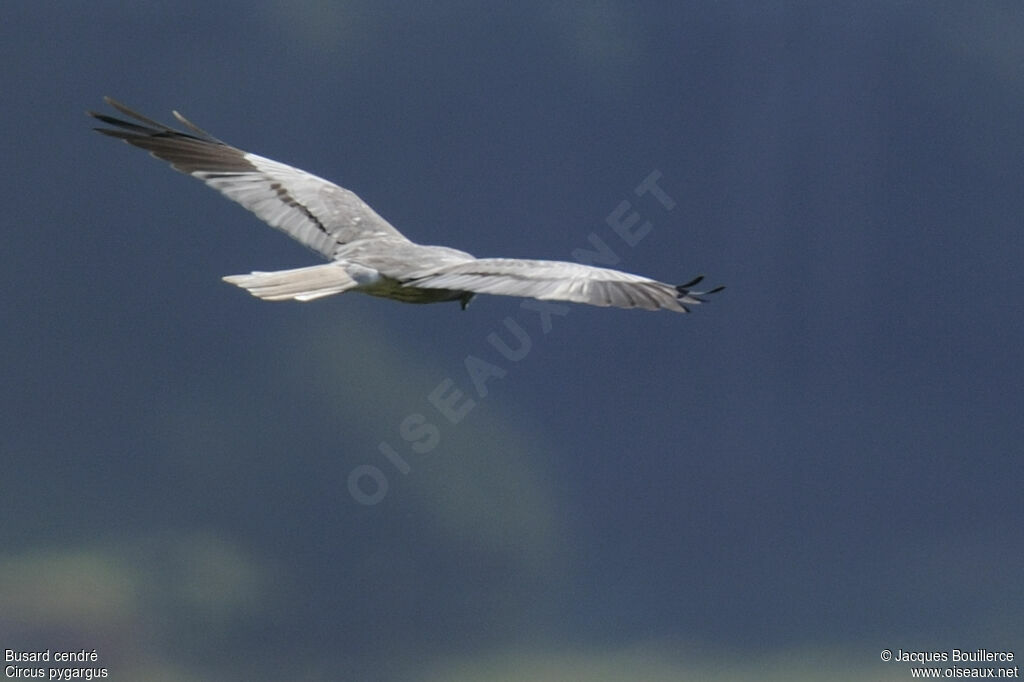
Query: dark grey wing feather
(560, 281)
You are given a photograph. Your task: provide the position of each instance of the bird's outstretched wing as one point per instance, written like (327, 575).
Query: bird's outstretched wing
(562, 281)
(312, 210)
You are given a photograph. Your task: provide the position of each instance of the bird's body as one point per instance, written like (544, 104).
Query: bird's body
(365, 252)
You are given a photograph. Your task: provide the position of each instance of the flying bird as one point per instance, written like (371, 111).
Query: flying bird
(365, 252)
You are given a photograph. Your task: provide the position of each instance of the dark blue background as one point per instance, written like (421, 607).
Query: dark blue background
(822, 463)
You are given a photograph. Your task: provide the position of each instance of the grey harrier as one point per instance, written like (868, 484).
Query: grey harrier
(366, 252)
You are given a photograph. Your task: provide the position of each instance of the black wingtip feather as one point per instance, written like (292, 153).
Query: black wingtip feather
(688, 295)
(131, 113)
(125, 125)
(194, 128)
(692, 282)
(147, 127)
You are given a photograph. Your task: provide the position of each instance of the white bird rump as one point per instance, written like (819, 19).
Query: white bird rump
(366, 253)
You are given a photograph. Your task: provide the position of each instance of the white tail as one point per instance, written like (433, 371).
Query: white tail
(300, 284)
